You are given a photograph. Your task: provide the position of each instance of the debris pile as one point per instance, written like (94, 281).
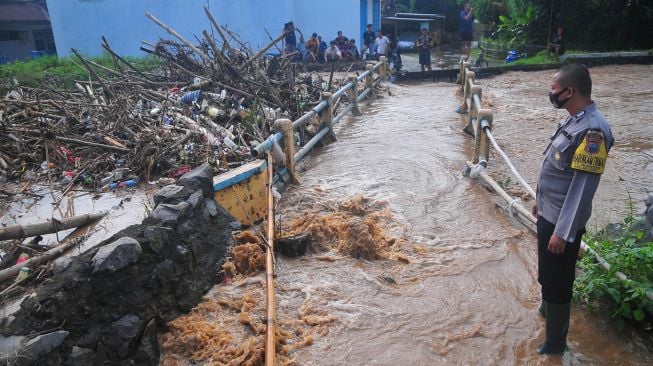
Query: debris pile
(209, 102)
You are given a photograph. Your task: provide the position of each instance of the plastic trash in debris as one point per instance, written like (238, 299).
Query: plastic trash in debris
(155, 111)
(45, 166)
(123, 184)
(86, 179)
(190, 97)
(74, 160)
(23, 274)
(169, 121)
(22, 258)
(212, 111)
(178, 172)
(117, 174)
(211, 139)
(229, 143)
(164, 181)
(64, 151)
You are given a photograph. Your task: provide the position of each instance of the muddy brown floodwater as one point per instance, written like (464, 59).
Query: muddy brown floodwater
(455, 280)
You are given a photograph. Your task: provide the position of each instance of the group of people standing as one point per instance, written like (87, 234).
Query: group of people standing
(316, 50)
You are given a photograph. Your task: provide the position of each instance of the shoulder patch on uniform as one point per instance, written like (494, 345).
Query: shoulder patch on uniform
(591, 154)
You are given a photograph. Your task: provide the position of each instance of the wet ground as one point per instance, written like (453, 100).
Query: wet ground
(459, 282)
(442, 57)
(125, 207)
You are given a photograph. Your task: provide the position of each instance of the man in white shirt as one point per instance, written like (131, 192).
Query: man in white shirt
(333, 53)
(382, 44)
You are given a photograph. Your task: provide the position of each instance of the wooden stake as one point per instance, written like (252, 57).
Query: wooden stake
(270, 341)
(179, 37)
(263, 50)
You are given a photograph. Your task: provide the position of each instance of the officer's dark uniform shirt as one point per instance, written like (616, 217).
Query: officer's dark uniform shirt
(571, 170)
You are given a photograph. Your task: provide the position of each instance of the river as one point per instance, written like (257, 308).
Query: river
(453, 280)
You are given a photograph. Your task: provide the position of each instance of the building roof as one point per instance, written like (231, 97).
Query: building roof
(22, 12)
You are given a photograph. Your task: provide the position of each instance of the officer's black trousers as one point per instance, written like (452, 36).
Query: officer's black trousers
(556, 272)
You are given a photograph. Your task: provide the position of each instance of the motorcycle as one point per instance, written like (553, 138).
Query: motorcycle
(514, 56)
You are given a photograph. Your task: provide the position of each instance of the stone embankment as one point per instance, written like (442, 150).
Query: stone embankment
(107, 305)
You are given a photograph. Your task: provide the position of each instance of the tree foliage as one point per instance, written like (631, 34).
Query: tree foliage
(588, 24)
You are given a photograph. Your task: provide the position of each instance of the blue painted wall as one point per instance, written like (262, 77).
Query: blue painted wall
(80, 23)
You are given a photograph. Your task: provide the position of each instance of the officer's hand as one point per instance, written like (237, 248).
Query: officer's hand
(556, 244)
(534, 210)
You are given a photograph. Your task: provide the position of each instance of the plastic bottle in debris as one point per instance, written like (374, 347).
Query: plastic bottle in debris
(229, 143)
(123, 184)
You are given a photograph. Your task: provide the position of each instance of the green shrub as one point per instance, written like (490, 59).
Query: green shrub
(625, 253)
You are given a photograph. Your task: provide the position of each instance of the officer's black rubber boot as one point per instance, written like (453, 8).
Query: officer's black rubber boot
(542, 309)
(557, 325)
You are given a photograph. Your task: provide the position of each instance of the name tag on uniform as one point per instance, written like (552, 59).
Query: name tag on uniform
(591, 154)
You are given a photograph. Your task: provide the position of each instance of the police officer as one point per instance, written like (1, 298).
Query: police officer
(569, 176)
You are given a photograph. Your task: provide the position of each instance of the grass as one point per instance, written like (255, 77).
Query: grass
(63, 71)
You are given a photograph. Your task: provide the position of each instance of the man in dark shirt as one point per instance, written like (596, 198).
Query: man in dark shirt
(368, 41)
(290, 39)
(466, 21)
(424, 44)
(341, 42)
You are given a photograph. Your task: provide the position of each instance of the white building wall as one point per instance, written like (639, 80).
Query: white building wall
(80, 23)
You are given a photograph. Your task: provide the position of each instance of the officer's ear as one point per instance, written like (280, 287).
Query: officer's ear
(572, 91)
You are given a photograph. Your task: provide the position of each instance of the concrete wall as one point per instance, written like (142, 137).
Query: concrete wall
(80, 23)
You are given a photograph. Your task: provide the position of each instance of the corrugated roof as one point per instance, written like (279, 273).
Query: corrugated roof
(22, 12)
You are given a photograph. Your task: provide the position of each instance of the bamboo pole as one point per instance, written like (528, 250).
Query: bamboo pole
(93, 144)
(105, 45)
(179, 37)
(218, 28)
(26, 231)
(270, 341)
(263, 50)
(107, 91)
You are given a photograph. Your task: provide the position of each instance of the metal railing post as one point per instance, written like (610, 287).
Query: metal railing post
(285, 126)
(353, 95)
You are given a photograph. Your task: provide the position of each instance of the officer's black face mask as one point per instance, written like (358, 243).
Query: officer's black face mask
(554, 98)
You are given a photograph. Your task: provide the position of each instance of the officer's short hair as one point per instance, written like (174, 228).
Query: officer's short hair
(576, 76)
